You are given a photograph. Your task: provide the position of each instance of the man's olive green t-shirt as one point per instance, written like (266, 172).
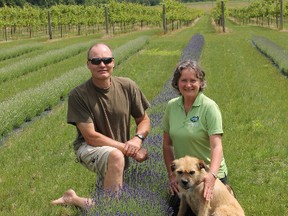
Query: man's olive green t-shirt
(109, 109)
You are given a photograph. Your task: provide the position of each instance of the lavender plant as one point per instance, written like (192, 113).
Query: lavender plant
(35, 63)
(275, 53)
(194, 48)
(9, 53)
(125, 51)
(146, 183)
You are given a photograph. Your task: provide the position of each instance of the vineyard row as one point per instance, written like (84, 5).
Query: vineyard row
(260, 10)
(66, 17)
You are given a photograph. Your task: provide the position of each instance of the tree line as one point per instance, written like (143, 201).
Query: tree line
(49, 3)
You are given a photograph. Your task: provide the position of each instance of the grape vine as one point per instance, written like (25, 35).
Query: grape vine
(68, 19)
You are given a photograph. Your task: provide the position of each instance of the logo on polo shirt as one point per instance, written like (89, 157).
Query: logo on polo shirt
(194, 118)
(193, 121)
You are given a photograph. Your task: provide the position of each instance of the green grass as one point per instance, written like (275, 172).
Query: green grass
(251, 94)
(37, 161)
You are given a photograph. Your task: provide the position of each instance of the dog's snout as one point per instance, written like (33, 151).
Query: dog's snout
(184, 182)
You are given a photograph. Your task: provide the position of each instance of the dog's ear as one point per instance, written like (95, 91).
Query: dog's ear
(173, 166)
(202, 165)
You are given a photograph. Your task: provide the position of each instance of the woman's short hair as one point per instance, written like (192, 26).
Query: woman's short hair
(200, 74)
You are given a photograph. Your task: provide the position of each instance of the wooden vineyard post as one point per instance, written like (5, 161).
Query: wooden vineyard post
(106, 20)
(223, 16)
(281, 14)
(49, 25)
(164, 19)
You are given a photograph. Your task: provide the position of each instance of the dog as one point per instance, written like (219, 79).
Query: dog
(189, 173)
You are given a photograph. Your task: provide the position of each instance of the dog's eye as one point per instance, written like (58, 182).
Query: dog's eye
(191, 172)
(180, 172)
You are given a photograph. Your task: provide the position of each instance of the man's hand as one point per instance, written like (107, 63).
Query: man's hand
(141, 155)
(131, 148)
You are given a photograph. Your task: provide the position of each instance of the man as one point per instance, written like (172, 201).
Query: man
(101, 109)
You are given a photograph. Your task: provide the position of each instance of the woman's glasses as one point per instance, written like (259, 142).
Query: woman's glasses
(97, 61)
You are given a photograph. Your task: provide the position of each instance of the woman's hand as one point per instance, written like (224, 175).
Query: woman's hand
(209, 182)
(173, 185)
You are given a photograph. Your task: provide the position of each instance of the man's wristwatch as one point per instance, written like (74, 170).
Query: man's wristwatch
(140, 136)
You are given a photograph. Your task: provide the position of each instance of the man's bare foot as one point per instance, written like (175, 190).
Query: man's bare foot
(66, 199)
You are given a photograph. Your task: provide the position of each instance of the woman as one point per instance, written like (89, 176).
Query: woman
(192, 125)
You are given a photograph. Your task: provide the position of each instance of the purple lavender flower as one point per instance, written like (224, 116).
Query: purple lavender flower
(194, 48)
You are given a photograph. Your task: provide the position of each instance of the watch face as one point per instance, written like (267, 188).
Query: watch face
(140, 136)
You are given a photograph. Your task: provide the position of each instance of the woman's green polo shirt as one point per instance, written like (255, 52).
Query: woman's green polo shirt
(190, 133)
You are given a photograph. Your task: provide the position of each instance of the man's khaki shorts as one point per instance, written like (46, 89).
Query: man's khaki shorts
(94, 159)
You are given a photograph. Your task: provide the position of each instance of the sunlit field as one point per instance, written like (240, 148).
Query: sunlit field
(37, 162)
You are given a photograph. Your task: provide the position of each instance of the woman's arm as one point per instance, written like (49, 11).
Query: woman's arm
(215, 162)
(168, 154)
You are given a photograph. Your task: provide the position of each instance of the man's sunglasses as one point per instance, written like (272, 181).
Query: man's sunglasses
(97, 61)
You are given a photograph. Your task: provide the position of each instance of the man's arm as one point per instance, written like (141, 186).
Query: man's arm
(130, 148)
(94, 138)
(134, 144)
(143, 125)
(143, 128)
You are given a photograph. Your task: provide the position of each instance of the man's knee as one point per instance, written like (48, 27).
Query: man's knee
(116, 161)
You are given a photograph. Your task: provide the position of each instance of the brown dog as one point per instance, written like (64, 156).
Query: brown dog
(189, 173)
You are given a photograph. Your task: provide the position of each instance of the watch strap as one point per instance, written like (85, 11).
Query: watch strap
(140, 136)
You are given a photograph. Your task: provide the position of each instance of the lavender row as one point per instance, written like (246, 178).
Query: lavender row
(275, 53)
